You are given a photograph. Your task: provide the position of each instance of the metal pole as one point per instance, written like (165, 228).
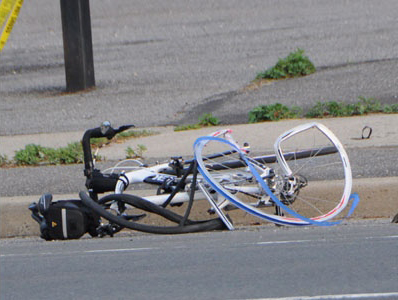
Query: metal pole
(78, 50)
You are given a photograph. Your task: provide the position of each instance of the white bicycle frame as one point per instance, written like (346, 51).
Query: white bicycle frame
(138, 174)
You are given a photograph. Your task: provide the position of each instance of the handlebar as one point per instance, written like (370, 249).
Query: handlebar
(105, 130)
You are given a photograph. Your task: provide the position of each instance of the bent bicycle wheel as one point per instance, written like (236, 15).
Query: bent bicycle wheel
(309, 185)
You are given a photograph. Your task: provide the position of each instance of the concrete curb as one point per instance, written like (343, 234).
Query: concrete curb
(377, 200)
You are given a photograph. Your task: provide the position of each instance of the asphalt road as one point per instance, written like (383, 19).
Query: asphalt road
(168, 62)
(356, 259)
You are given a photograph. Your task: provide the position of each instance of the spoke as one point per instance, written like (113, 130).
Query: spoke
(310, 205)
(307, 162)
(318, 166)
(316, 199)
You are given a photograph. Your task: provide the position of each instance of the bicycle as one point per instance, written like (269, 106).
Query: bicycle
(284, 188)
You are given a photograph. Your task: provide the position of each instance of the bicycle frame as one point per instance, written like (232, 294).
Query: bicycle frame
(160, 173)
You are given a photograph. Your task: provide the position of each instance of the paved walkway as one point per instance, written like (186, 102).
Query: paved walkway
(259, 135)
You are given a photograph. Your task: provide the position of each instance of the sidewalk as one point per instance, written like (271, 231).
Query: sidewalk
(259, 135)
(378, 195)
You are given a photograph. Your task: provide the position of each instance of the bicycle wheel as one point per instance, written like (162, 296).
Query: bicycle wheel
(310, 183)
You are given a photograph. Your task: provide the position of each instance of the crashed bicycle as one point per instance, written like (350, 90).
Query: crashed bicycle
(306, 181)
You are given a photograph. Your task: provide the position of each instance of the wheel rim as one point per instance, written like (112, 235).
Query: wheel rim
(295, 212)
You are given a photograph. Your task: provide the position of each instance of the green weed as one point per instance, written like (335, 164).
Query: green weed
(135, 134)
(294, 65)
(340, 109)
(273, 112)
(393, 108)
(205, 120)
(208, 120)
(35, 154)
(187, 127)
(136, 152)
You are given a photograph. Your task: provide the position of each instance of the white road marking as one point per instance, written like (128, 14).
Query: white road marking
(283, 242)
(118, 250)
(345, 296)
(77, 252)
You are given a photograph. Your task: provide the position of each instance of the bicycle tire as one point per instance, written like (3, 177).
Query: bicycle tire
(259, 190)
(189, 227)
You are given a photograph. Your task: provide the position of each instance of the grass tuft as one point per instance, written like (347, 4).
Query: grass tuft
(296, 64)
(205, 120)
(274, 112)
